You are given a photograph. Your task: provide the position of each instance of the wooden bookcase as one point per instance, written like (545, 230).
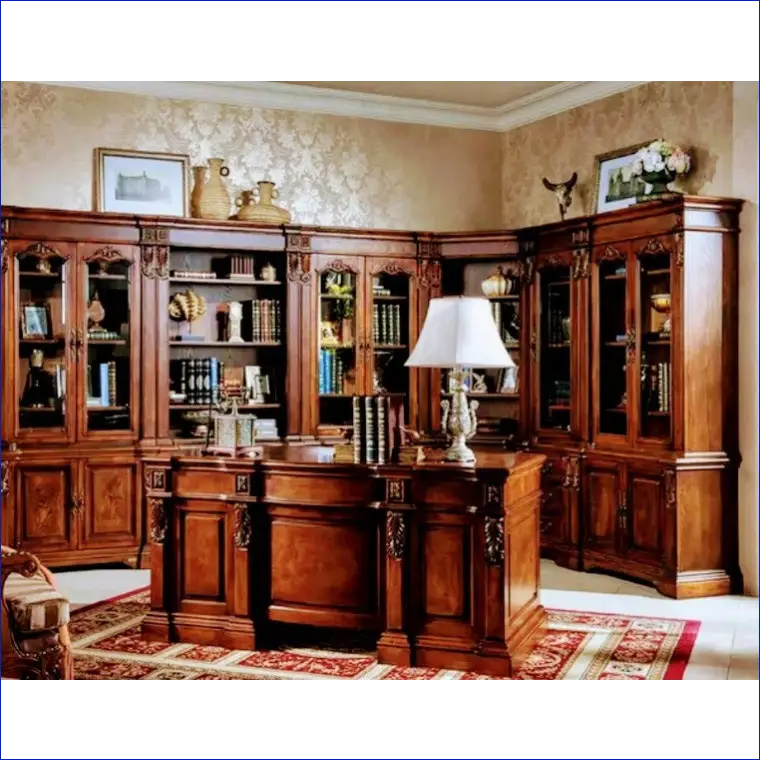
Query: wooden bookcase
(638, 419)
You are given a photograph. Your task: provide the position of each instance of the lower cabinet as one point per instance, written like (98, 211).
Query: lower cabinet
(77, 511)
(624, 517)
(560, 486)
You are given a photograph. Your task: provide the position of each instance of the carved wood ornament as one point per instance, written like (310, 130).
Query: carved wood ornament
(155, 479)
(493, 529)
(299, 258)
(107, 254)
(395, 535)
(581, 264)
(6, 478)
(158, 520)
(653, 248)
(243, 527)
(430, 274)
(155, 252)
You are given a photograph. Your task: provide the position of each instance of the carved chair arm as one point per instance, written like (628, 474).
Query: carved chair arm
(22, 563)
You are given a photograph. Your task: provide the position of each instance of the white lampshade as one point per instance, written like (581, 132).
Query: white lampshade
(460, 332)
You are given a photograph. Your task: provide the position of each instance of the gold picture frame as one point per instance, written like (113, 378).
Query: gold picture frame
(613, 160)
(35, 321)
(141, 182)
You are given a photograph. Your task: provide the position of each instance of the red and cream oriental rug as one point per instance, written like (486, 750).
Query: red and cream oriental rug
(579, 645)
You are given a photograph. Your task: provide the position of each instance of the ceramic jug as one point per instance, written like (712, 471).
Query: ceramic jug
(265, 212)
(210, 197)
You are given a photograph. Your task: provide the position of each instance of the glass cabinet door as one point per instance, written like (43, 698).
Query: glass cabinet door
(46, 344)
(612, 341)
(392, 307)
(653, 324)
(340, 345)
(554, 354)
(108, 338)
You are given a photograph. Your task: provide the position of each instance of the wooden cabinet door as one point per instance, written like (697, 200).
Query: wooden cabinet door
(111, 514)
(551, 346)
(42, 343)
(390, 330)
(553, 504)
(642, 519)
(339, 355)
(47, 502)
(108, 318)
(603, 497)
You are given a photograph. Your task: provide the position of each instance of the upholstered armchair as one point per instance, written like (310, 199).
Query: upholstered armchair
(36, 643)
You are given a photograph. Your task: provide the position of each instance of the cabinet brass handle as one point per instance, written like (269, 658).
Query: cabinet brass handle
(77, 502)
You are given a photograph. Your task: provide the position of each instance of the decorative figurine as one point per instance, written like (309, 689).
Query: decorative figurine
(268, 273)
(562, 192)
(187, 307)
(235, 320)
(96, 314)
(39, 392)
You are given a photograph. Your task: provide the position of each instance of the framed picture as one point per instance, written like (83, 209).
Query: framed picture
(35, 321)
(614, 187)
(133, 182)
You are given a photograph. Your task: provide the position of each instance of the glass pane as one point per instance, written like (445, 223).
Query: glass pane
(655, 362)
(390, 333)
(337, 347)
(107, 348)
(555, 347)
(42, 288)
(613, 347)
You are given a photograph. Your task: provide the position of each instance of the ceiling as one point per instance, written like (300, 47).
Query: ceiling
(480, 94)
(491, 106)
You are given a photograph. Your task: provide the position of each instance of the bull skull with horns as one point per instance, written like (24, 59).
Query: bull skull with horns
(562, 192)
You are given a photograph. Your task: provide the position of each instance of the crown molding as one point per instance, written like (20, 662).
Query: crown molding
(290, 97)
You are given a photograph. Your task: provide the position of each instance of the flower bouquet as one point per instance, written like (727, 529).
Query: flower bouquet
(658, 164)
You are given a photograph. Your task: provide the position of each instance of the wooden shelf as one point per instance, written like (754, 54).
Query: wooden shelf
(223, 281)
(42, 341)
(336, 395)
(205, 407)
(107, 408)
(558, 345)
(106, 342)
(657, 414)
(107, 276)
(653, 272)
(338, 346)
(39, 409)
(42, 275)
(389, 347)
(559, 407)
(657, 342)
(617, 410)
(511, 297)
(615, 277)
(500, 396)
(220, 344)
(389, 298)
(615, 343)
(333, 297)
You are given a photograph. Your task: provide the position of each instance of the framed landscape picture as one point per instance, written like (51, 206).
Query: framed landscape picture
(614, 187)
(134, 182)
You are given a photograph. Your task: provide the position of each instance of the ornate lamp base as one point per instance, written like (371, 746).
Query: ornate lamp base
(459, 422)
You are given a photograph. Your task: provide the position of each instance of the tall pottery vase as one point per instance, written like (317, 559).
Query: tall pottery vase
(210, 199)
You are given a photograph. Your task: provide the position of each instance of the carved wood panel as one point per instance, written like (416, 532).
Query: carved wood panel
(603, 505)
(110, 513)
(46, 504)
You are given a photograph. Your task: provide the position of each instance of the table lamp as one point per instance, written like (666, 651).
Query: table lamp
(459, 332)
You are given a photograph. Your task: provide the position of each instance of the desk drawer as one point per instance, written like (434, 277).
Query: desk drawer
(214, 483)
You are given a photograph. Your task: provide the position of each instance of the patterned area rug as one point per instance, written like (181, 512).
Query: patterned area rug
(579, 645)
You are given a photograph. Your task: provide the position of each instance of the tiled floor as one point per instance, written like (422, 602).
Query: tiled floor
(727, 645)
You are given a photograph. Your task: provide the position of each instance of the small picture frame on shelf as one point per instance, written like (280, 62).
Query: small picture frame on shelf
(614, 187)
(35, 321)
(509, 380)
(140, 182)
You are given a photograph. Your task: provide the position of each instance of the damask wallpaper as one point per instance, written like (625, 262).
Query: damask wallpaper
(329, 170)
(696, 115)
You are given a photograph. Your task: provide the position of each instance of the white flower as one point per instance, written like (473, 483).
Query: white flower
(649, 164)
(659, 165)
(671, 163)
(656, 146)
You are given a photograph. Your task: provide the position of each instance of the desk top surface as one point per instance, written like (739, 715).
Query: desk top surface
(324, 456)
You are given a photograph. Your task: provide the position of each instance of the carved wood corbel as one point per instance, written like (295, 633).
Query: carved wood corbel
(298, 248)
(154, 257)
(243, 526)
(493, 533)
(395, 534)
(158, 520)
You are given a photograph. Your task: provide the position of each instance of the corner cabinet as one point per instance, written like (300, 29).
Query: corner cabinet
(634, 354)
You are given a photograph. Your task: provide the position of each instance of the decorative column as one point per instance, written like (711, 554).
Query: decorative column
(394, 644)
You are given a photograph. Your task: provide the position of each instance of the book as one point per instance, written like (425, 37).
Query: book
(357, 434)
(104, 395)
(112, 384)
(370, 442)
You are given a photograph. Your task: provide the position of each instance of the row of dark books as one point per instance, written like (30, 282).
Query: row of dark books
(386, 324)
(655, 390)
(266, 321)
(377, 422)
(198, 380)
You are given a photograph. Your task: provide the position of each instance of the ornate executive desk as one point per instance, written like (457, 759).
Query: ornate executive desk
(441, 561)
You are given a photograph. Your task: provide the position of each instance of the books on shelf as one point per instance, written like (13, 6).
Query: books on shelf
(386, 324)
(266, 321)
(656, 386)
(107, 386)
(198, 381)
(241, 267)
(332, 371)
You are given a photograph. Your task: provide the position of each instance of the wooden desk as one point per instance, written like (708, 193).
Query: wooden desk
(441, 561)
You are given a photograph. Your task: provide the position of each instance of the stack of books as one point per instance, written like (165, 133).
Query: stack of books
(331, 371)
(198, 380)
(266, 321)
(377, 422)
(266, 430)
(386, 324)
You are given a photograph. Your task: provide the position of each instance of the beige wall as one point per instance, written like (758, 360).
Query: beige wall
(696, 115)
(329, 170)
(745, 175)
